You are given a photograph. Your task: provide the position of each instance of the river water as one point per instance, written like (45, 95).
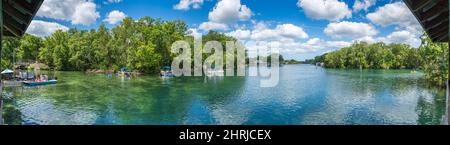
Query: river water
(305, 95)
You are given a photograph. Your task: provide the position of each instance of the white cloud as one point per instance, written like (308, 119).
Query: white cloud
(316, 44)
(291, 31)
(115, 17)
(226, 12)
(283, 31)
(363, 5)
(368, 39)
(288, 38)
(77, 11)
(240, 34)
(332, 10)
(292, 46)
(259, 26)
(195, 33)
(395, 14)
(112, 1)
(352, 30)
(403, 37)
(85, 14)
(206, 26)
(408, 29)
(187, 4)
(397, 37)
(42, 28)
(229, 11)
(337, 44)
(400, 36)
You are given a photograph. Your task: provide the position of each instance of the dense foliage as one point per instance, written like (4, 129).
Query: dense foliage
(142, 45)
(432, 58)
(374, 56)
(293, 61)
(435, 60)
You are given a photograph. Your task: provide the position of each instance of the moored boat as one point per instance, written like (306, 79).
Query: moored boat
(28, 83)
(166, 71)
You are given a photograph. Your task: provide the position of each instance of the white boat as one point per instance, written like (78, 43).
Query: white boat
(215, 73)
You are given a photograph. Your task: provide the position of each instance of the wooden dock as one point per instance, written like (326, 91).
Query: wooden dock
(12, 83)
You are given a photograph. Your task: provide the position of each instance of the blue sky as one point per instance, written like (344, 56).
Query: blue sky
(301, 29)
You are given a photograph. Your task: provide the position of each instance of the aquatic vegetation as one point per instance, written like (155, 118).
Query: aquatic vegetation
(11, 114)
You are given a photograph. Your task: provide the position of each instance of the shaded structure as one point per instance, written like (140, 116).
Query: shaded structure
(433, 15)
(15, 17)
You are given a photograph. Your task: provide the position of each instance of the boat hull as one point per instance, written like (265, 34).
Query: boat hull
(40, 83)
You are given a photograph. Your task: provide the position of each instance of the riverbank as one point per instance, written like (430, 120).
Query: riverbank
(101, 71)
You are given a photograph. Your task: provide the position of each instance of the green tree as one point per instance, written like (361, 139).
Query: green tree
(29, 48)
(435, 57)
(8, 48)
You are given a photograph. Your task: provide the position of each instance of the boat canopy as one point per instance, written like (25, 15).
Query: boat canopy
(7, 71)
(124, 69)
(166, 67)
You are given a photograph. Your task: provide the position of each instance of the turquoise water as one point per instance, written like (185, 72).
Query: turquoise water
(305, 95)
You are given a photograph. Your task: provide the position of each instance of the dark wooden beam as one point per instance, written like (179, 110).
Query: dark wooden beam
(24, 5)
(7, 33)
(439, 19)
(18, 15)
(37, 4)
(432, 16)
(419, 4)
(440, 37)
(21, 17)
(434, 29)
(13, 26)
(14, 22)
(11, 31)
(435, 33)
(440, 30)
(439, 9)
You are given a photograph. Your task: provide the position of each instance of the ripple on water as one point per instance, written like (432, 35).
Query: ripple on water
(305, 95)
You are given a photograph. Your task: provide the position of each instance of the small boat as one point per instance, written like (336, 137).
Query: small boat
(167, 74)
(124, 72)
(27, 83)
(211, 73)
(166, 71)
